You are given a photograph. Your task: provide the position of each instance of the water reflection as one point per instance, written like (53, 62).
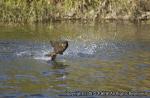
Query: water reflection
(58, 70)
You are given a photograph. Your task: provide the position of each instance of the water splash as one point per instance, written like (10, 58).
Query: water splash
(84, 49)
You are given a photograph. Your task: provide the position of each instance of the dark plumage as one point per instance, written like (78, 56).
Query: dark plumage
(58, 48)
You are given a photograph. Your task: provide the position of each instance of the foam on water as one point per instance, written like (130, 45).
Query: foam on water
(45, 58)
(37, 54)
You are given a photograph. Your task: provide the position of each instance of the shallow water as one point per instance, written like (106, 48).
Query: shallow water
(111, 56)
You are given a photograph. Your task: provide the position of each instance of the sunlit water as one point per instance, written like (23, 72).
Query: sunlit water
(109, 56)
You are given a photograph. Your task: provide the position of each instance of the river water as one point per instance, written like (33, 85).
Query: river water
(109, 56)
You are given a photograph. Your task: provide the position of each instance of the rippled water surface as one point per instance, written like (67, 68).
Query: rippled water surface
(110, 56)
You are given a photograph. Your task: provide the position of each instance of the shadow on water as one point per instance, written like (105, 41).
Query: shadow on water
(58, 65)
(107, 56)
(58, 69)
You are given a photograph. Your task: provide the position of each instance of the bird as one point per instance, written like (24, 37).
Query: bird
(58, 48)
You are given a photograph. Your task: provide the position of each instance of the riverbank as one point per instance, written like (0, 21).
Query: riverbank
(90, 10)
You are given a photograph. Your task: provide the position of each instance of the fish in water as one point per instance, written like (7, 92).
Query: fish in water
(58, 48)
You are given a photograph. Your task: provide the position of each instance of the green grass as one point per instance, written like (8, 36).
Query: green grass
(21, 11)
(44, 10)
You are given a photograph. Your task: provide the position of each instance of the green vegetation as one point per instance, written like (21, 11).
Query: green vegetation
(48, 10)
(24, 10)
